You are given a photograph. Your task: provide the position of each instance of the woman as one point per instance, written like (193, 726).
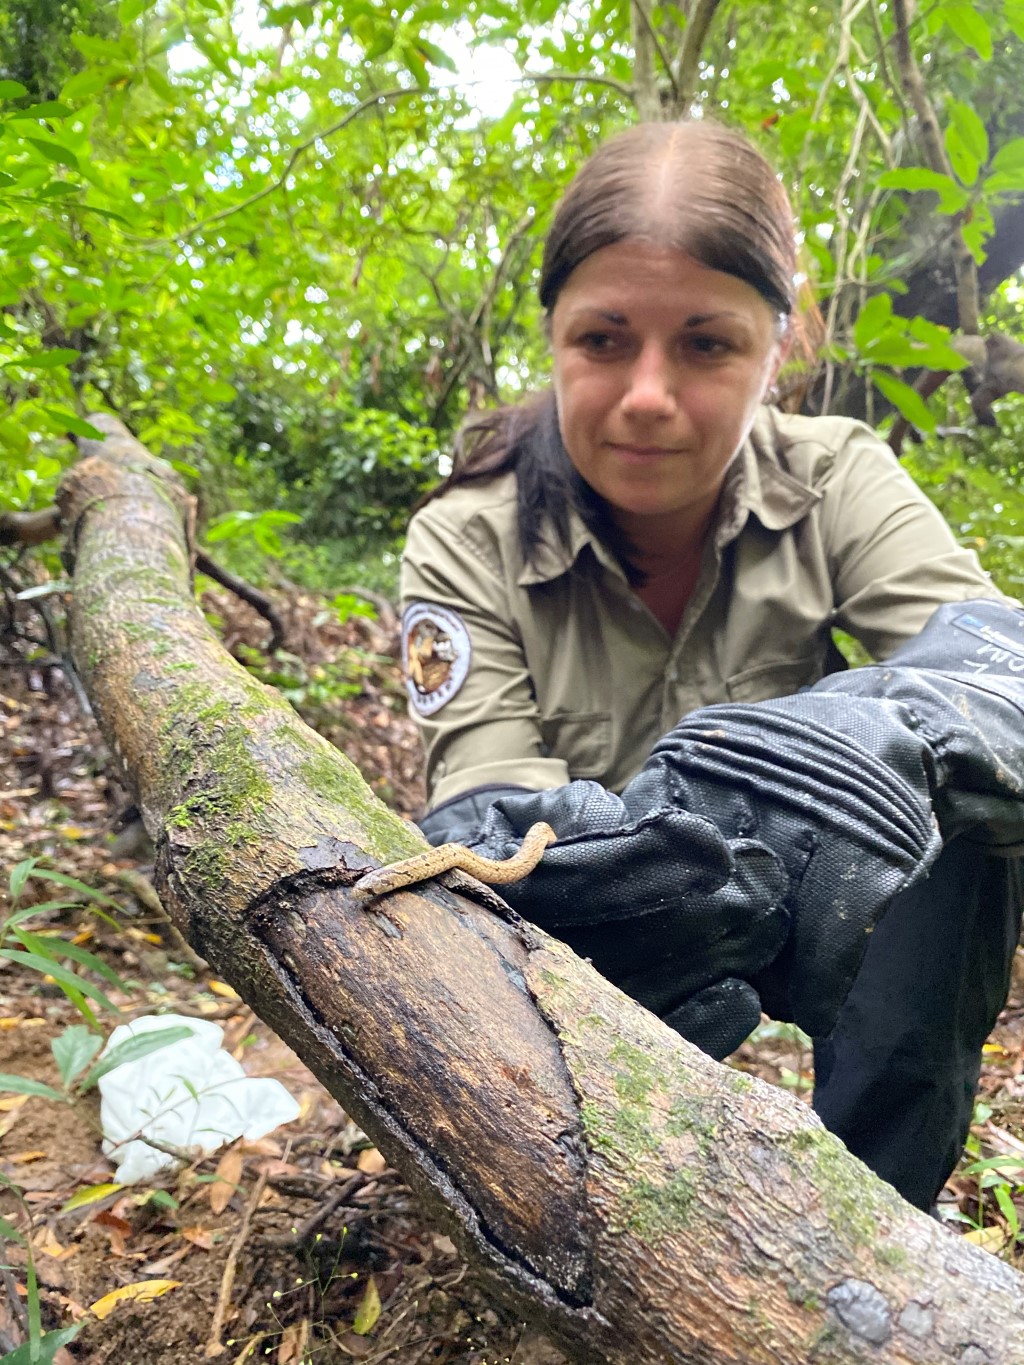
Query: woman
(648, 539)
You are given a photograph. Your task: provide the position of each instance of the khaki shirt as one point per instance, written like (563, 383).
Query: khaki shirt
(535, 674)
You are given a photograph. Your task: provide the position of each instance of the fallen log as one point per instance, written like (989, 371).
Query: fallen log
(640, 1201)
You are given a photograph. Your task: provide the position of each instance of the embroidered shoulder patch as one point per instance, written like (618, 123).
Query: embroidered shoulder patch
(435, 655)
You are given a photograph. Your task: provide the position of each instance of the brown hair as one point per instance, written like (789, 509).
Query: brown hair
(698, 187)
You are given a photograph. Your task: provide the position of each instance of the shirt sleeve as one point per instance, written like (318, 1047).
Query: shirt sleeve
(893, 559)
(487, 730)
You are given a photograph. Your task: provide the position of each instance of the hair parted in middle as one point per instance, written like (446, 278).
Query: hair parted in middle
(697, 187)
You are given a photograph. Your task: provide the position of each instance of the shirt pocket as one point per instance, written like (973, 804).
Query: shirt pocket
(778, 678)
(582, 739)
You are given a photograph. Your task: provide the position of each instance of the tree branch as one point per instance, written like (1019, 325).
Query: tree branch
(381, 98)
(935, 155)
(693, 45)
(643, 1202)
(655, 41)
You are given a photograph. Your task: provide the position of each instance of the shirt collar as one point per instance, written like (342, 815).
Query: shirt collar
(755, 484)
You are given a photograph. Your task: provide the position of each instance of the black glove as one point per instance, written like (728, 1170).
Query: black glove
(854, 784)
(960, 684)
(660, 902)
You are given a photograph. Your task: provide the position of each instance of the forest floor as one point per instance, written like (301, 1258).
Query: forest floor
(252, 1258)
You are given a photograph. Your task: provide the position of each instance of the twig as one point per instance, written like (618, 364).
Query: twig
(259, 601)
(214, 1345)
(300, 1235)
(693, 45)
(29, 528)
(579, 78)
(381, 97)
(145, 893)
(663, 56)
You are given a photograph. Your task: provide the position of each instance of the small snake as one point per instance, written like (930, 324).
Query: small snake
(446, 857)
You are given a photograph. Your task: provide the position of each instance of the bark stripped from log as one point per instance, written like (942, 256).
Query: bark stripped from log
(644, 1203)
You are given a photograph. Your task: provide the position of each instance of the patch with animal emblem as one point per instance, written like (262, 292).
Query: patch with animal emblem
(435, 655)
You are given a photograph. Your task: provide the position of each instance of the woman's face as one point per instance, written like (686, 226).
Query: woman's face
(659, 366)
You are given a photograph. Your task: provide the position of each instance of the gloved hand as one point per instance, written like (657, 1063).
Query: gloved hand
(851, 785)
(661, 903)
(856, 782)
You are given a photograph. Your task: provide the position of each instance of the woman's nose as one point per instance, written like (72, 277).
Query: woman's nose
(650, 391)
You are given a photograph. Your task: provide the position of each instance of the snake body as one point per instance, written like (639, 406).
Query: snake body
(446, 857)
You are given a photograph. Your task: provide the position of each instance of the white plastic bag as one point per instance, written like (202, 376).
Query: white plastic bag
(190, 1095)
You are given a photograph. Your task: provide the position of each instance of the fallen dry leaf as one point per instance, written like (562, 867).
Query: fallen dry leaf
(117, 1229)
(46, 1244)
(370, 1161)
(229, 1173)
(199, 1237)
(24, 1158)
(369, 1309)
(143, 1291)
(294, 1340)
(992, 1238)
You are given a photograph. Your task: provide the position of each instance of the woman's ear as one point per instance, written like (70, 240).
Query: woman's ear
(782, 349)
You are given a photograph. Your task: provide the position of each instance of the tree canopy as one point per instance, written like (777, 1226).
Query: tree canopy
(291, 244)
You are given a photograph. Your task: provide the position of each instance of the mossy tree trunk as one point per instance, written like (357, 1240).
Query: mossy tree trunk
(642, 1202)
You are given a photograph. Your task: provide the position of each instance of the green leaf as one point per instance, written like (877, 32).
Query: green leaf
(970, 127)
(907, 400)
(159, 84)
(44, 360)
(1015, 17)
(129, 10)
(60, 156)
(49, 874)
(78, 427)
(90, 82)
(22, 1085)
(872, 320)
(952, 197)
(20, 874)
(970, 27)
(59, 948)
(1007, 1209)
(382, 41)
(10, 1232)
(416, 65)
(49, 966)
(891, 349)
(50, 109)
(98, 49)
(11, 90)
(134, 1048)
(46, 1347)
(1008, 158)
(163, 1199)
(92, 1194)
(965, 164)
(73, 1050)
(435, 55)
(212, 53)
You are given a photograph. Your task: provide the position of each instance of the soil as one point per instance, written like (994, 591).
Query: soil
(259, 1259)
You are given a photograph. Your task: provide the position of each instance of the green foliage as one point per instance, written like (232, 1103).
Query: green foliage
(290, 248)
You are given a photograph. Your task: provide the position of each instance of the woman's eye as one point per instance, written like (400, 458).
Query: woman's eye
(713, 346)
(597, 343)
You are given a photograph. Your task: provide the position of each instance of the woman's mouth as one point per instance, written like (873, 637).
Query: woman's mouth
(641, 454)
